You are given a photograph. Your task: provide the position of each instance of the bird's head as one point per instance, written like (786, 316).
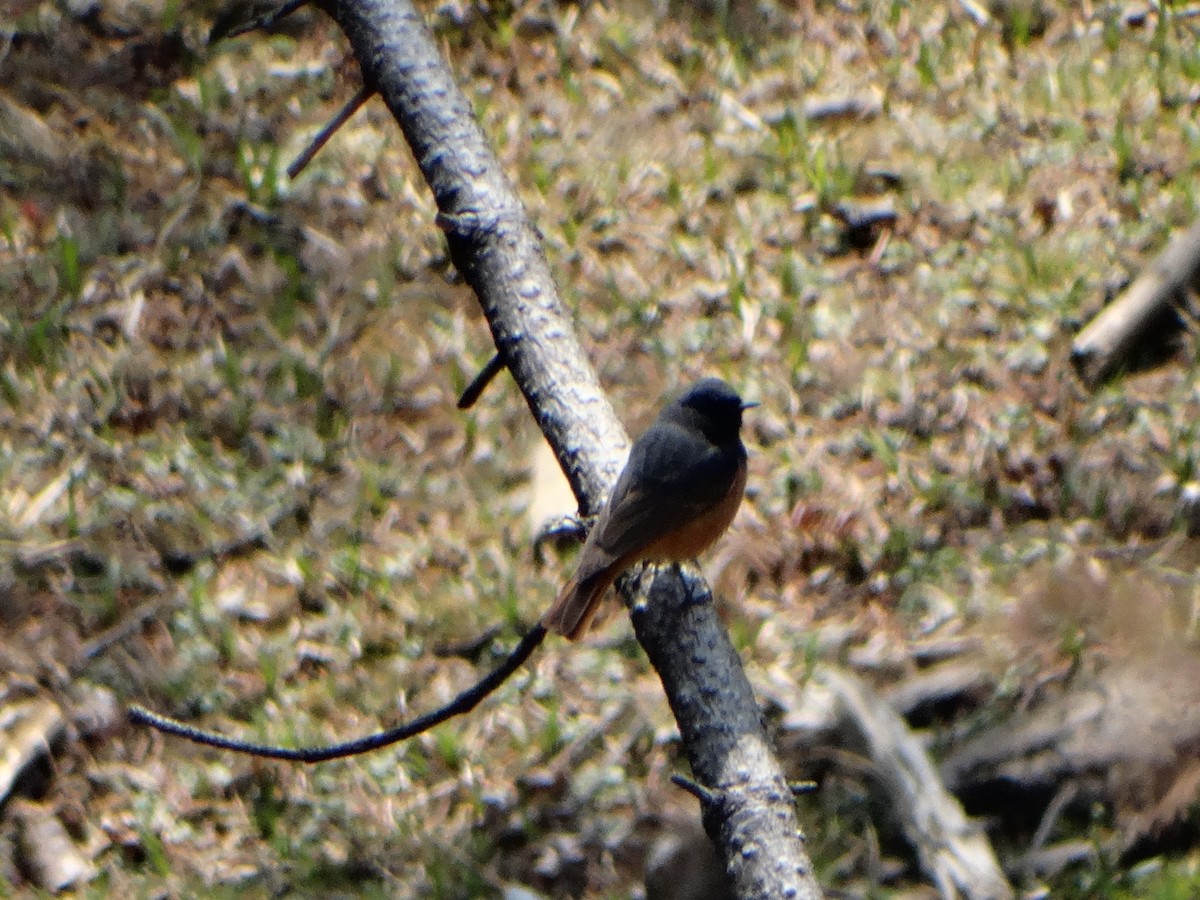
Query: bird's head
(712, 406)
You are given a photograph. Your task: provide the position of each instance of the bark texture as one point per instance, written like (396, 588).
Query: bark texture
(751, 815)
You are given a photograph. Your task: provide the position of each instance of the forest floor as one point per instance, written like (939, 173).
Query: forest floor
(235, 487)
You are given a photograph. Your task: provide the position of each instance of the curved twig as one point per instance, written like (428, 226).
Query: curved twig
(463, 703)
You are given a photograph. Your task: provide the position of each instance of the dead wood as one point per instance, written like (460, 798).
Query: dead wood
(1107, 340)
(28, 728)
(954, 852)
(52, 860)
(940, 685)
(1126, 736)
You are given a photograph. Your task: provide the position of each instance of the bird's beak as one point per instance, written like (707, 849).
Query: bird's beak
(750, 405)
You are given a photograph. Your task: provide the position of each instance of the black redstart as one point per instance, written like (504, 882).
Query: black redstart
(676, 495)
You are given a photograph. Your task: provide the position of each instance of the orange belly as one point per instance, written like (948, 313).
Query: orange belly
(699, 534)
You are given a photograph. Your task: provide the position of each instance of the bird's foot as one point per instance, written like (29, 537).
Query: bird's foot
(689, 582)
(567, 527)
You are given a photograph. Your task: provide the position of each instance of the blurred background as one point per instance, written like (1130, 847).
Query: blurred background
(235, 487)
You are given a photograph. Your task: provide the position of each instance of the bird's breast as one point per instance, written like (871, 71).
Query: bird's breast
(700, 532)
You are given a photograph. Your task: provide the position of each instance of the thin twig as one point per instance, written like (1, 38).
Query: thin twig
(479, 383)
(1062, 799)
(463, 703)
(224, 28)
(109, 637)
(697, 790)
(179, 562)
(353, 105)
(565, 527)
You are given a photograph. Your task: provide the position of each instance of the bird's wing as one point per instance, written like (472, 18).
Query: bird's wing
(672, 476)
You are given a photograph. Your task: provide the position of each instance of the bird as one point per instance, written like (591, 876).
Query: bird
(679, 491)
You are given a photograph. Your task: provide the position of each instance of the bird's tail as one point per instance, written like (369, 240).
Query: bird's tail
(576, 605)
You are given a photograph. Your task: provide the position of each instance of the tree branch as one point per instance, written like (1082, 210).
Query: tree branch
(498, 252)
(491, 240)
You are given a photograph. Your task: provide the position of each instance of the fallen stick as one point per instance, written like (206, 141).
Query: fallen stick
(954, 852)
(1163, 285)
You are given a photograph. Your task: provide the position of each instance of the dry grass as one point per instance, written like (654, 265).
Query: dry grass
(197, 352)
